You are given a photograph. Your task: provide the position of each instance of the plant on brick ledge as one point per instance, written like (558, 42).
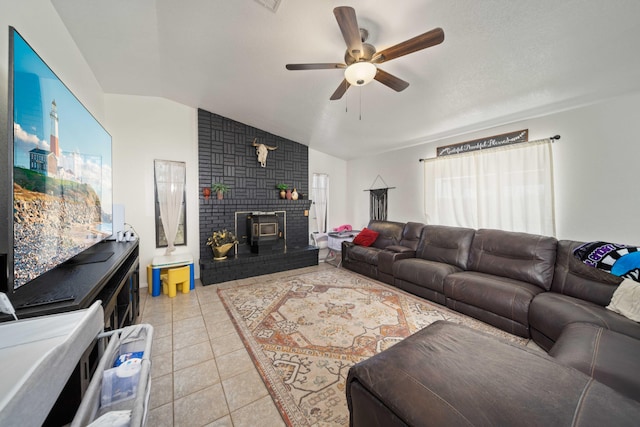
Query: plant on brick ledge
(220, 188)
(283, 188)
(221, 242)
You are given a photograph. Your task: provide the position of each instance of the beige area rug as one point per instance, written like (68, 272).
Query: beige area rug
(305, 331)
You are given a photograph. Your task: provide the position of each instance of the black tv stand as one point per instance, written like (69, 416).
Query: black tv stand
(88, 258)
(40, 301)
(109, 271)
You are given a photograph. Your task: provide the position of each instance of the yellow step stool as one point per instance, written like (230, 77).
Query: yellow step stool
(175, 278)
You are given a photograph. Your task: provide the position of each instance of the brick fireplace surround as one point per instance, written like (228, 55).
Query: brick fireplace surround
(225, 155)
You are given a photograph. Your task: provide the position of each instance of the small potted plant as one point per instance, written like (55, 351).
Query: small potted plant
(283, 189)
(206, 192)
(221, 242)
(220, 189)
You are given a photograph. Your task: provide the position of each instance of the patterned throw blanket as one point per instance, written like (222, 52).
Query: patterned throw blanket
(619, 260)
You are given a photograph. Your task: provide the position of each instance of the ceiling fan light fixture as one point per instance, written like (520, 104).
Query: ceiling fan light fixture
(360, 73)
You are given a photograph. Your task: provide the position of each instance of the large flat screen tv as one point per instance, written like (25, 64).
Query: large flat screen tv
(61, 192)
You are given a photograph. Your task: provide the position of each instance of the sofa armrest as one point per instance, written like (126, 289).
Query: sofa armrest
(345, 249)
(399, 249)
(604, 355)
(346, 245)
(387, 257)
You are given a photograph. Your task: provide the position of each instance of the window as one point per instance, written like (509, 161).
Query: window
(170, 203)
(508, 188)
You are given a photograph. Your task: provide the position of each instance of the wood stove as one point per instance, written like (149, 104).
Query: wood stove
(264, 231)
(264, 228)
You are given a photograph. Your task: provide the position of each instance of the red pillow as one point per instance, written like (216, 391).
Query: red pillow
(366, 237)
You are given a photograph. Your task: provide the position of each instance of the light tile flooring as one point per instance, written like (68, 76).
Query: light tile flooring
(201, 373)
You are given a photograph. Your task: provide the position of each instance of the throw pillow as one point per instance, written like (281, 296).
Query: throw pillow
(366, 237)
(619, 260)
(626, 300)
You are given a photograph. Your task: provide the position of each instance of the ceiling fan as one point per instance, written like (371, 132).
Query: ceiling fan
(361, 59)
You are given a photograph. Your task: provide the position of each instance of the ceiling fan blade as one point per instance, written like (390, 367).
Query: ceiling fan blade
(390, 80)
(340, 91)
(346, 17)
(423, 41)
(318, 66)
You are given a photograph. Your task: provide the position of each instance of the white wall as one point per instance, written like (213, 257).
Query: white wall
(145, 129)
(595, 172)
(337, 170)
(39, 24)
(401, 171)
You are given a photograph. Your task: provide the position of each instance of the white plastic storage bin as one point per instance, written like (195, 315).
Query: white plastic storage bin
(118, 394)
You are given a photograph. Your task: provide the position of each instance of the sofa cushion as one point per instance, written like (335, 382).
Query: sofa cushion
(450, 245)
(422, 272)
(450, 375)
(411, 235)
(578, 280)
(550, 312)
(500, 295)
(520, 256)
(366, 237)
(390, 232)
(604, 355)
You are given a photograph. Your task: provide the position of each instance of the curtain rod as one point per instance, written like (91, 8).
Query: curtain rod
(376, 189)
(552, 138)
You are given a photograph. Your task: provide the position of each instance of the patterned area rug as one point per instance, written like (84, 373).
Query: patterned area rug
(304, 332)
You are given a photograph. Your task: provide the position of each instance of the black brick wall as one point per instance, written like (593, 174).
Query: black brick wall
(226, 155)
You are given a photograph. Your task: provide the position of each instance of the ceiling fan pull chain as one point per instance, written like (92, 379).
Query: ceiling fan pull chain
(360, 90)
(346, 103)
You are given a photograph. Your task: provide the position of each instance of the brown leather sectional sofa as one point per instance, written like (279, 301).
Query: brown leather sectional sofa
(526, 284)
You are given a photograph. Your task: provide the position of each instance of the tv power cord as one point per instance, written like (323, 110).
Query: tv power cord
(6, 306)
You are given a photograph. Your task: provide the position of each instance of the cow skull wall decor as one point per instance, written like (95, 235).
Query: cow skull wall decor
(262, 151)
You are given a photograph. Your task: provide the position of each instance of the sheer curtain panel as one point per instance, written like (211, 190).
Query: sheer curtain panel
(508, 188)
(170, 180)
(320, 197)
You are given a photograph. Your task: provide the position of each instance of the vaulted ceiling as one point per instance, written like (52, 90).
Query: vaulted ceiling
(501, 61)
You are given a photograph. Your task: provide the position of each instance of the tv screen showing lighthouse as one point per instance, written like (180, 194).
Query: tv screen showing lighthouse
(61, 170)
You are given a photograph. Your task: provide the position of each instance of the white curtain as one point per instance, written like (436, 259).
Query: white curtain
(170, 179)
(320, 197)
(508, 188)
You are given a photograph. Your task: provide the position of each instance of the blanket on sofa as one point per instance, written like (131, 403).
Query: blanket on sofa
(619, 260)
(626, 300)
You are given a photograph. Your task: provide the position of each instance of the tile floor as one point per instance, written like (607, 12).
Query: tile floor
(201, 373)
